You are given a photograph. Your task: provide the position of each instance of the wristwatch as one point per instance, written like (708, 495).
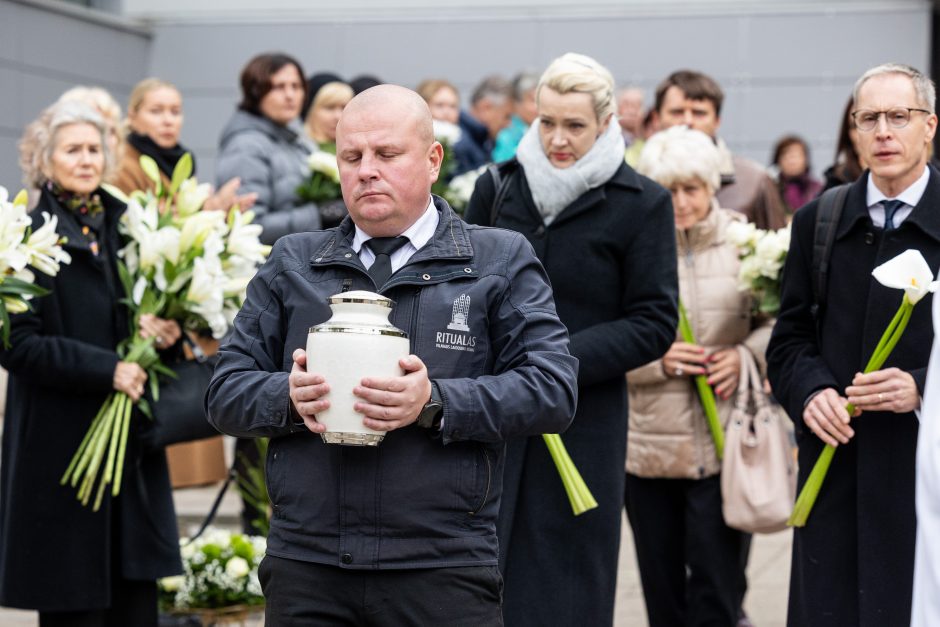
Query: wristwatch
(433, 411)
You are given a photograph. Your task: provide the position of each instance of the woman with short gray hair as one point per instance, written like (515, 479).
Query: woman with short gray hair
(689, 560)
(74, 565)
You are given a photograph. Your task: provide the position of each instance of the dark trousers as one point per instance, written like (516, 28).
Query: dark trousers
(132, 603)
(689, 560)
(304, 594)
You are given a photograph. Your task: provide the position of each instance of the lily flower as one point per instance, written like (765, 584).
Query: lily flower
(908, 271)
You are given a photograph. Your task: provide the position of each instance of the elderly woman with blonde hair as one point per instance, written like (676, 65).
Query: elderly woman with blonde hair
(74, 565)
(605, 236)
(689, 560)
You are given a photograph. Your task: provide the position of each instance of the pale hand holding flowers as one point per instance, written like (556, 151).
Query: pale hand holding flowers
(20, 248)
(910, 272)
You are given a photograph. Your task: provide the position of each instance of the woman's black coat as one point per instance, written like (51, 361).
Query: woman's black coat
(55, 554)
(853, 562)
(611, 258)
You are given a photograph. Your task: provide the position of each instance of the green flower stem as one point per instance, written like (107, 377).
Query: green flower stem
(806, 500)
(705, 393)
(889, 339)
(128, 408)
(578, 493)
(83, 446)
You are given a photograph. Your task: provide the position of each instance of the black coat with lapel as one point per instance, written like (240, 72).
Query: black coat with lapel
(55, 554)
(853, 563)
(611, 259)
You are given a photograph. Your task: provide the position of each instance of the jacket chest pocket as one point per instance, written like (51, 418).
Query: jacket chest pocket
(448, 327)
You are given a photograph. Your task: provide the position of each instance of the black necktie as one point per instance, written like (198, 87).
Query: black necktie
(891, 207)
(383, 247)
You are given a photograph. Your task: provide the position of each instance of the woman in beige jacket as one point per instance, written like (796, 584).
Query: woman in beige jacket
(689, 560)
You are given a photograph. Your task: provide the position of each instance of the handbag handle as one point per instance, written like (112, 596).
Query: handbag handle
(750, 371)
(742, 397)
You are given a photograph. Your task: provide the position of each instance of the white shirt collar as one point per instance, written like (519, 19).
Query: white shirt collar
(910, 197)
(418, 234)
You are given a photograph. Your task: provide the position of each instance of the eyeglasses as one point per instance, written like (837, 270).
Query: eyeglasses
(896, 117)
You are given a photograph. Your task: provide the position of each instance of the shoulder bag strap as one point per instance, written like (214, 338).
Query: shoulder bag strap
(501, 185)
(828, 213)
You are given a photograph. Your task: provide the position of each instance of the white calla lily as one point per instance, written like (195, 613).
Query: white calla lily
(908, 271)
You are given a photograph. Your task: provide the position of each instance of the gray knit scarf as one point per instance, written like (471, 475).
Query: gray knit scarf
(553, 188)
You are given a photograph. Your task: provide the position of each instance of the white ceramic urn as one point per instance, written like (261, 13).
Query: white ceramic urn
(358, 341)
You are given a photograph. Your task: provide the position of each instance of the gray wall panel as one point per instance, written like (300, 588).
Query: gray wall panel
(784, 66)
(45, 50)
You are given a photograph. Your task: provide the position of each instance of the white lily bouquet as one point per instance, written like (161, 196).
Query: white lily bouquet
(762, 255)
(180, 262)
(220, 570)
(323, 183)
(20, 249)
(909, 272)
(456, 190)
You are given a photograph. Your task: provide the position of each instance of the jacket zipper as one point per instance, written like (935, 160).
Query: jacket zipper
(486, 492)
(697, 425)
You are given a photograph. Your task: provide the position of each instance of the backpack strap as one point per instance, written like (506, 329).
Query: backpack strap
(502, 175)
(828, 213)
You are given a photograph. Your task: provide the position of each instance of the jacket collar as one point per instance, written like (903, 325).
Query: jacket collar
(450, 240)
(925, 216)
(624, 178)
(243, 121)
(68, 226)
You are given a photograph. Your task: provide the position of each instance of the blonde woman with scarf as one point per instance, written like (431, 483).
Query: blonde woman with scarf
(605, 235)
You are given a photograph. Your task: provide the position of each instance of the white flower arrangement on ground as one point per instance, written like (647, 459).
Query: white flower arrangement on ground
(762, 255)
(220, 569)
(20, 249)
(180, 262)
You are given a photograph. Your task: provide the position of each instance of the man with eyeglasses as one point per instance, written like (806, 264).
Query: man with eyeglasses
(853, 562)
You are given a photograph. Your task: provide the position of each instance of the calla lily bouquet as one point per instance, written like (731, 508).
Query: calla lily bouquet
(762, 255)
(21, 248)
(909, 272)
(180, 262)
(323, 183)
(220, 569)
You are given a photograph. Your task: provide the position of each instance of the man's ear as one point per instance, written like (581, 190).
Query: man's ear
(435, 159)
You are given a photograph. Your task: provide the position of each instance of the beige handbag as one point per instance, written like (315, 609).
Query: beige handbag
(758, 472)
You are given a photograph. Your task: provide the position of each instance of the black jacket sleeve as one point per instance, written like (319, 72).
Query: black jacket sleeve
(794, 365)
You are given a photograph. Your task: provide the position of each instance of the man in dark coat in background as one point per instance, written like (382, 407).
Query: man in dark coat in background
(853, 562)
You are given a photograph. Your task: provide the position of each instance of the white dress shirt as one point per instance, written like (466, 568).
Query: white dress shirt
(418, 234)
(910, 197)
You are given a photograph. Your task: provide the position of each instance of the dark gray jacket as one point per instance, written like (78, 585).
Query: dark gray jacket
(419, 499)
(271, 160)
